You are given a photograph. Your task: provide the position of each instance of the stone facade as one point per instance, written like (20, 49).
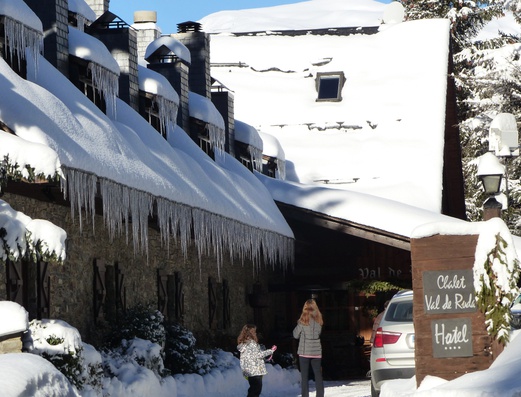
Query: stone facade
(71, 285)
(11, 343)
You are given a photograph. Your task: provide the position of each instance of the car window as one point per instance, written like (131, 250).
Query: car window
(399, 311)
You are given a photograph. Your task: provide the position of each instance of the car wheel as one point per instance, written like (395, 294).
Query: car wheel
(374, 392)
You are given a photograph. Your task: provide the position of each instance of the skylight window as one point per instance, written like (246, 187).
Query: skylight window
(329, 86)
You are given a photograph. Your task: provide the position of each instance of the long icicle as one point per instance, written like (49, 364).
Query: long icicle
(212, 233)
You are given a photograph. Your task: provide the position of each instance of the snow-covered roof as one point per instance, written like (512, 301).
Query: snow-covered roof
(313, 14)
(271, 146)
(82, 8)
(172, 45)
(157, 84)
(19, 11)
(364, 209)
(129, 156)
(203, 109)
(247, 134)
(384, 138)
(89, 48)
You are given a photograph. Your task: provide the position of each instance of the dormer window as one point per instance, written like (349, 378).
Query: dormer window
(329, 86)
(203, 140)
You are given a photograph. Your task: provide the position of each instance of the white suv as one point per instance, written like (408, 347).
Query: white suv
(392, 354)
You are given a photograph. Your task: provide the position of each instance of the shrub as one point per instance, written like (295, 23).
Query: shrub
(180, 351)
(140, 321)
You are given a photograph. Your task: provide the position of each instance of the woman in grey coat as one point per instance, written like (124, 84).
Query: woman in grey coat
(307, 331)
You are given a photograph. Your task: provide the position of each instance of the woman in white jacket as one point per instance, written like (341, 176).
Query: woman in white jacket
(307, 331)
(252, 358)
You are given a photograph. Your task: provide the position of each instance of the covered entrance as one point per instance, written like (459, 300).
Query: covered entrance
(350, 270)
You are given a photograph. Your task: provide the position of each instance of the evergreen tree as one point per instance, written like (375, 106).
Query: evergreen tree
(487, 75)
(467, 17)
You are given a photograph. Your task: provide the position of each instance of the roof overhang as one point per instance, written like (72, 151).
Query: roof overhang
(344, 226)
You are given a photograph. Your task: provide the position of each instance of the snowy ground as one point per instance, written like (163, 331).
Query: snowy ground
(345, 388)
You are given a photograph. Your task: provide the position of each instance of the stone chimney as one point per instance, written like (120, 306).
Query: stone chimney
(98, 6)
(145, 23)
(54, 15)
(190, 34)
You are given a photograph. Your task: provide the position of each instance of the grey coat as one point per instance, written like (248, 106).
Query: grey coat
(309, 338)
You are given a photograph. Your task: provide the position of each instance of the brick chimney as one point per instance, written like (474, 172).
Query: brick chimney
(190, 34)
(98, 6)
(145, 23)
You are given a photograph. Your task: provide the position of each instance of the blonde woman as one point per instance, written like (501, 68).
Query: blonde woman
(307, 331)
(252, 358)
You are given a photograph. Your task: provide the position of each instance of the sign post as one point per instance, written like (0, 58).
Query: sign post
(450, 333)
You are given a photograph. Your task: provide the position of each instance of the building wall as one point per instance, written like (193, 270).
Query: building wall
(72, 283)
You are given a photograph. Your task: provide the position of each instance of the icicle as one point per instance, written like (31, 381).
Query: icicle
(212, 234)
(217, 137)
(80, 188)
(256, 157)
(107, 82)
(123, 205)
(19, 36)
(281, 169)
(167, 113)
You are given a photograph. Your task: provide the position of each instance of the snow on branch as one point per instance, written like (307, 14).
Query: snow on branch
(496, 273)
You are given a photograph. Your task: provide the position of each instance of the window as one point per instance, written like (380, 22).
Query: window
(149, 110)
(81, 76)
(269, 166)
(241, 153)
(200, 130)
(329, 86)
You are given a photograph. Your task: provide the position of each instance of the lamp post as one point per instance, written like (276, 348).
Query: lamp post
(490, 173)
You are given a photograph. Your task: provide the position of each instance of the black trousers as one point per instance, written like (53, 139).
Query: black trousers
(316, 366)
(255, 386)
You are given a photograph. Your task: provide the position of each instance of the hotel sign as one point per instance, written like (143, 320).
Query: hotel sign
(449, 291)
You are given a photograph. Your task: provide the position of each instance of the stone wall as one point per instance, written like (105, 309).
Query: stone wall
(11, 343)
(72, 297)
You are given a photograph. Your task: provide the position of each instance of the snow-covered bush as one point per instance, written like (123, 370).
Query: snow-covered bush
(61, 345)
(140, 321)
(133, 353)
(180, 351)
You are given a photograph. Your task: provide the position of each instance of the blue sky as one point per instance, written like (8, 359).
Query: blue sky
(172, 12)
